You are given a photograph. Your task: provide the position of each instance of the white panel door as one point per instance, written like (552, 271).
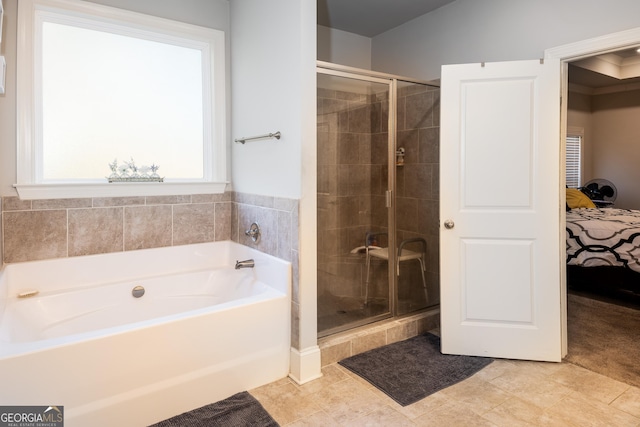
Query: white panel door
(499, 210)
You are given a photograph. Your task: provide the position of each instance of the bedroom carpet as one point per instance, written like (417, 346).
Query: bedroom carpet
(603, 338)
(410, 370)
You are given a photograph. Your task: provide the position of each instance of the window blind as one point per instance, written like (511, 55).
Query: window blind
(573, 156)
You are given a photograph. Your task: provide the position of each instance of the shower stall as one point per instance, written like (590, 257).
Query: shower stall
(378, 183)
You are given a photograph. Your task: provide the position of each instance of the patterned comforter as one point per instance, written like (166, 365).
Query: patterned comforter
(603, 237)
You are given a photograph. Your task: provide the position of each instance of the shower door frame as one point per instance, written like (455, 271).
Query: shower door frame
(337, 70)
(347, 72)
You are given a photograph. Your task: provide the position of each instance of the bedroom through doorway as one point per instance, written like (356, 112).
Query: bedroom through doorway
(602, 92)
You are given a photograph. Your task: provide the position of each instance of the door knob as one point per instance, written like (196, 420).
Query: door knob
(448, 224)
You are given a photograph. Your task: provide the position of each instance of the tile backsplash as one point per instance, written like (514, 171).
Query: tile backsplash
(58, 228)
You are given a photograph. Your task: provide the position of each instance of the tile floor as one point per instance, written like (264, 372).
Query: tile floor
(506, 393)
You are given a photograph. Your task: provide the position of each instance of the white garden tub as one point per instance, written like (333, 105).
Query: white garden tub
(201, 332)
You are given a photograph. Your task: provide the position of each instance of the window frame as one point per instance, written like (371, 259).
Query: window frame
(31, 14)
(579, 133)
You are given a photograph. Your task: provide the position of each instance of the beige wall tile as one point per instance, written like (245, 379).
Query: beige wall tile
(334, 353)
(402, 332)
(284, 236)
(147, 227)
(15, 204)
(168, 200)
(34, 235)
(295, 263)
(99, 202)
(223, 221)
(60, 203)
(267, 219)
(95, 231)
(369, 342)
(1, 238)
(420, 110)
(429, 323)
(193, 223)
(211, 198)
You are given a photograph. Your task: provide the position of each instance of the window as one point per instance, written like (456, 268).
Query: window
(98, 84)
(573, 158)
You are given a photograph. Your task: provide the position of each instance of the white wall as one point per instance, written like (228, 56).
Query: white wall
(273, 88)
(270, 68)
(616, 145)
(207, 13)
(8, 101)
(579, 116)
(468, 31)
(341, 47)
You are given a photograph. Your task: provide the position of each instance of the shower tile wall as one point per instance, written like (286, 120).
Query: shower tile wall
(418, 183)
(43, 229)
(351, 183)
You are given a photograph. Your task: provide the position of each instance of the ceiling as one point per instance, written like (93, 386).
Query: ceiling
(372, 17)
(584, 73)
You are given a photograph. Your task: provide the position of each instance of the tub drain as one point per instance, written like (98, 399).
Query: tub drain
(137, 292)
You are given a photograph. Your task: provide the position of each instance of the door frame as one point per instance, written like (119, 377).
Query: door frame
(569, 53)
(360, 75)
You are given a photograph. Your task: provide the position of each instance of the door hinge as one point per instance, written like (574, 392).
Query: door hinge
(388, 198)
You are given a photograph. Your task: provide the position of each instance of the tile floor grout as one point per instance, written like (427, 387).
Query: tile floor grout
(505, 393)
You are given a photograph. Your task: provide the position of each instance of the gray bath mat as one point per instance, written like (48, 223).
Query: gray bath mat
(239, 410)
(413, 369)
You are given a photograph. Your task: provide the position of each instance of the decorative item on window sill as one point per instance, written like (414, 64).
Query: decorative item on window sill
(129, 172)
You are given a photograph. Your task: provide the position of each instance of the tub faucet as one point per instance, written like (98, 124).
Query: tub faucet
(249, 263)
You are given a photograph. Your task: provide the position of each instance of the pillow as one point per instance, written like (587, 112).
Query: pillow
(577, 199)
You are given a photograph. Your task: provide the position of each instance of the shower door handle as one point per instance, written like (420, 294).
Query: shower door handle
(449, 224)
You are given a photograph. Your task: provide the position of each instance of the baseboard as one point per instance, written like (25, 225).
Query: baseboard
(305, 365)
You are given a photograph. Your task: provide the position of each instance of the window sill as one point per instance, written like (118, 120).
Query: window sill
(116, 189)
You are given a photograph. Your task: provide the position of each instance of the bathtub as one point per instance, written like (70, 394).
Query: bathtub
(73, 334)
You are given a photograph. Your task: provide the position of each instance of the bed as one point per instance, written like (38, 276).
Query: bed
(603, 249)
(603, 237)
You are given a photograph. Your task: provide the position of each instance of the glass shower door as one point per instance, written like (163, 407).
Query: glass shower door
(417, 195)
(353, 217)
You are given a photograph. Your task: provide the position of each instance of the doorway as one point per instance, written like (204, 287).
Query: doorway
(471, 121)
(567, 54)
(377, 197)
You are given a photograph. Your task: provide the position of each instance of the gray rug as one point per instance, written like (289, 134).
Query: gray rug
(410, 370)
(603, 338)
(239, 410)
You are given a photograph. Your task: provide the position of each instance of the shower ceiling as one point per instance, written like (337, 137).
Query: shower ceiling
(372, 17)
